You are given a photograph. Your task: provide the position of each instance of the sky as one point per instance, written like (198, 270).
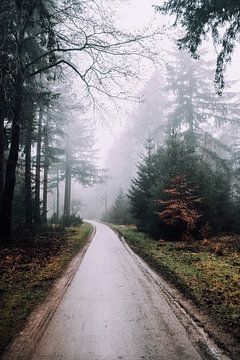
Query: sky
(131, 15)
(136, 13)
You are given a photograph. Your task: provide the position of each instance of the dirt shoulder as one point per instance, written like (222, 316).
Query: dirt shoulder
(36, 277)
(206, 282)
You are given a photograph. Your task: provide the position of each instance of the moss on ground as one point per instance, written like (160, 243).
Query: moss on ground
(211, 278)
(28, 271)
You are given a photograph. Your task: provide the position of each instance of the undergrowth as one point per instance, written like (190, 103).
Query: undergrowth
(28, 270)
(210, 277)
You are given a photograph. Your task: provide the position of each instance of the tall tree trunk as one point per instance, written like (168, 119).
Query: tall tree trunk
(57, 213)
(28, 182)
(6, 218)
(2, 146)
(37, 216)
(69, 191)
(3, 62)
(45, 192)
(67, 197)
(45, 172)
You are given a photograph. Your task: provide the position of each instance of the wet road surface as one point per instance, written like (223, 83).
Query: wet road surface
(113, 311)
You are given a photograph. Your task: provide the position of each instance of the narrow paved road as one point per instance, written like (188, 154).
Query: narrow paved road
(113, 311)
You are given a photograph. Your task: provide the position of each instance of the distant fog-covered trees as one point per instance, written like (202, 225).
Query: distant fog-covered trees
(119, 213)
(188, 178)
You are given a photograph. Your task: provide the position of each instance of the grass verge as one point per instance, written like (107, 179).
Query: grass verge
(28, 271)
(212, 281)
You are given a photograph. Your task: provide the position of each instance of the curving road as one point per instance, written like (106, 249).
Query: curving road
(112, 310)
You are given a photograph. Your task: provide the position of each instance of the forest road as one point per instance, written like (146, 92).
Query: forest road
(112, 310)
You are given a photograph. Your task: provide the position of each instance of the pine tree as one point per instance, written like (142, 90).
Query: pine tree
(120, 211)
(198, 18)
(140, 192)
(25, 20)
(35, 43)
(79, 162)
(197, 110)
(178, 172)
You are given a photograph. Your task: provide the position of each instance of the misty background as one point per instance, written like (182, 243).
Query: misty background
(120, 127)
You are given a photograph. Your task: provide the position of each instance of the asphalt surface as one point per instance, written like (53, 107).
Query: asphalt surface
(113, 311)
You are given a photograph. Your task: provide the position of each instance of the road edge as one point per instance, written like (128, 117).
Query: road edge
(207, 343)
(23, 345)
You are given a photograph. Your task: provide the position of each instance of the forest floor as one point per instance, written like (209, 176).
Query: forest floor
(207, 272)
(28, 270)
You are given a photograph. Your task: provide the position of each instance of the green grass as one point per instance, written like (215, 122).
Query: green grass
(212, 281)
(27, 273)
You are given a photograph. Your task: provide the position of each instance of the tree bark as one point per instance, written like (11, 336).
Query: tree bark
(6, 218)
(45, 173)
(28, 182)
(37, 213)
(57, 213)
(45, 193)
(67, 196)
(3, 62)
(2, 146)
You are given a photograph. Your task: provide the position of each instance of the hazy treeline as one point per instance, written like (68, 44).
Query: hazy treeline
(46, 131)
(187, 178)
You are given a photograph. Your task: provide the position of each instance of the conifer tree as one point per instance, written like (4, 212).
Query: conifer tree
(196, 107)
(79, 162)
(140, 192)
(40, 39)
(180, 184)
(220, 18)
(120, 211)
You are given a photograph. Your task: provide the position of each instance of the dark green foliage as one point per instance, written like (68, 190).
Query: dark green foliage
(148, 195)
(71, 220)
(198, 18)
(140, 193)
(20, 44)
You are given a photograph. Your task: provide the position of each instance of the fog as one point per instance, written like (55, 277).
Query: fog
(122, 126)
(121, 131)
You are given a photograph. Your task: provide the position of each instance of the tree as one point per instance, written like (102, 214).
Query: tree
(178, 211)
(178, 174)
(80, 156)
(20, 43)
(54, 183)
(6, 85)
(120, 211)
(198, 18)
(149, 116)
(195, 109)
(140, 191)
(28, 118)
(36, 42)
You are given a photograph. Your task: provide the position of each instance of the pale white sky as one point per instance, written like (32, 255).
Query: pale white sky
(136, 13)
